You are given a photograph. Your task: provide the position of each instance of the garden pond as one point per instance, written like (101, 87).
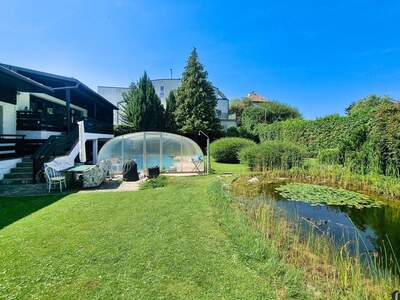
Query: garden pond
(346, 217)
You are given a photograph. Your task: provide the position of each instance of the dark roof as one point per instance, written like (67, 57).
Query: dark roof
(12, 80)
(50, 83)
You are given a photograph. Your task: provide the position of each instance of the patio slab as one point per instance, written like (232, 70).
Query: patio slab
(115, 185)
(20, 190)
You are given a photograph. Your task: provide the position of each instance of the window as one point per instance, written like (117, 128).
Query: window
(162, 91)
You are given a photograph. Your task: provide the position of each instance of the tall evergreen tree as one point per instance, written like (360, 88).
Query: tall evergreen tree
(170, 123)
(196, 100)
(142, 109)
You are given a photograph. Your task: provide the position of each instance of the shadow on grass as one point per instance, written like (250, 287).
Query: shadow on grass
(12, 208)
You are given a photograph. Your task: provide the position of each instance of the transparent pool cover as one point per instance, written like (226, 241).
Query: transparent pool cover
(171, 152)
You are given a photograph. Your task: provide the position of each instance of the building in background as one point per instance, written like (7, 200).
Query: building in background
(163, 87)
(256, 99)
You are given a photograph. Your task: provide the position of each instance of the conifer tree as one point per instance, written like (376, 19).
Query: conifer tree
(196, 101)
(170, 123)
(142, 110)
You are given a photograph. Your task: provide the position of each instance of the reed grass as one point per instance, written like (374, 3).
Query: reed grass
(329, 271)
(335, 175)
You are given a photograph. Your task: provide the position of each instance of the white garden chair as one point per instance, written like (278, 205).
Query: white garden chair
(54, 178)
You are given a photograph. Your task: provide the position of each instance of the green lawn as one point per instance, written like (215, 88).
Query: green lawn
(220, 168)
(164, 243)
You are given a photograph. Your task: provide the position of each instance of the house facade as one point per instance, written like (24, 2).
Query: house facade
(39, 113)
(162, 88)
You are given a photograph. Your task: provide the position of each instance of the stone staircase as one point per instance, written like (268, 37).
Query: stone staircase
(21, 174)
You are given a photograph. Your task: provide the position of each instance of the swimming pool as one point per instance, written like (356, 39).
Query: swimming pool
(170, 152)
(168, 162)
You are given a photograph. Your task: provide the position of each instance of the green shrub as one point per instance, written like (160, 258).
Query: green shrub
(232, 132)
(153, 183)
(329, 156)
(273, 155)
(226, 150)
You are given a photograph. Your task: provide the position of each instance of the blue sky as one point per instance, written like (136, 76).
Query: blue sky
(316, 55)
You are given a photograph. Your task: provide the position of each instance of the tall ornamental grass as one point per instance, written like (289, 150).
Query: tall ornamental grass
(273, 155)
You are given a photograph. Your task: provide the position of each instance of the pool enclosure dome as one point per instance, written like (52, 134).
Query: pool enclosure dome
(170, 152)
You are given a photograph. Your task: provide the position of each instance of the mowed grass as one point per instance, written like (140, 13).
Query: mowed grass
(161, 243)
(221, 168)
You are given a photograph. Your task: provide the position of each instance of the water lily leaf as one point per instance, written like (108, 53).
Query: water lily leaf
(317, 194)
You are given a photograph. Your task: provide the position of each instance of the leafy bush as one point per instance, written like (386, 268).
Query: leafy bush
(273, 155)
(237, 106)
(233, 131)
(153, 183)
(367, 104)
(226, 150)
(329, 156)
(267, 113)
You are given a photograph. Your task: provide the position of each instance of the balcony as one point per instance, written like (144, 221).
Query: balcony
(43, 121)
(40, 121)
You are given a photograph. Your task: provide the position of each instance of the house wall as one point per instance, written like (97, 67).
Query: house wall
(23, 101)
(223, 108)
(114, 95)
(58, 101)
(9, 118)
(228, 123)
(164, 86)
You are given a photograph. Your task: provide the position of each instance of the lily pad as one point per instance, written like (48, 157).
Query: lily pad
(317, 194)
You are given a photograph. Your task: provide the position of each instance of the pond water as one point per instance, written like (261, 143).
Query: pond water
(371, 227)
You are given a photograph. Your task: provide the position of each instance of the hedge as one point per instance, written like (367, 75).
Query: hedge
(322, 133)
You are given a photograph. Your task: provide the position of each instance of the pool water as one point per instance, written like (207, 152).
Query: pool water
(154, 161)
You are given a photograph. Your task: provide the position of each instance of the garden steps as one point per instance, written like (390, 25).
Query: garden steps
(21, 174)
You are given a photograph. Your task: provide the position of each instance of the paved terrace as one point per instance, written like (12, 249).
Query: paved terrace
(114, 185)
